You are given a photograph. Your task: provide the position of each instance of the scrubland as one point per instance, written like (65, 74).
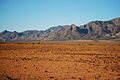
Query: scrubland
(60, 60)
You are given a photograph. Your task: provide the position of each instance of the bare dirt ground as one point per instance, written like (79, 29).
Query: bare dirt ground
(65, 60)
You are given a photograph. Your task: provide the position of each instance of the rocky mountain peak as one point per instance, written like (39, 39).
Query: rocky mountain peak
(73, 27)
(5, 31)
(93, 30)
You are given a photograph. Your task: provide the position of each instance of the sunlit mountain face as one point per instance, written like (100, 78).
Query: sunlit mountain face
(92, 30)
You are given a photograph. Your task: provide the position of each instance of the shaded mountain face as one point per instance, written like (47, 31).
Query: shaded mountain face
(93, 30)
(71, 32)
(102, 29)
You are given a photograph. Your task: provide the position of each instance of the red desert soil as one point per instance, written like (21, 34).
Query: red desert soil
(72, 60)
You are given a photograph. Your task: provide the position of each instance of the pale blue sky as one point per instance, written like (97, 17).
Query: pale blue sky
(21, 15)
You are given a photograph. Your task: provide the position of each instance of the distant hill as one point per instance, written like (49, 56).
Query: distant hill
(92, 30)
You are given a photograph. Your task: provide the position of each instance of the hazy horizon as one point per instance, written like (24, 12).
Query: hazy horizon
(51, 26)
(21, 15)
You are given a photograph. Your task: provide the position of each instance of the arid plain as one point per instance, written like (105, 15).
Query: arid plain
(60, 60)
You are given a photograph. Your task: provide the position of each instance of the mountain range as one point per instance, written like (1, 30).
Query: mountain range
(92, 30)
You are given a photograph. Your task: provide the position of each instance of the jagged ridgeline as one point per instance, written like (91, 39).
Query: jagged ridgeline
(93, 30)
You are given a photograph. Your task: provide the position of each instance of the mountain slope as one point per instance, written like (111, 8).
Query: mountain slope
(92, 30)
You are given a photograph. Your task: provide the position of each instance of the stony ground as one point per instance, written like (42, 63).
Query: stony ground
(76, 60)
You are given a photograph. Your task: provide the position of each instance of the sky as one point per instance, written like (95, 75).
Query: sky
(21, 15)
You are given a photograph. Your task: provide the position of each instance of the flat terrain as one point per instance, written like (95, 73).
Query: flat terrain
(65, 60)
